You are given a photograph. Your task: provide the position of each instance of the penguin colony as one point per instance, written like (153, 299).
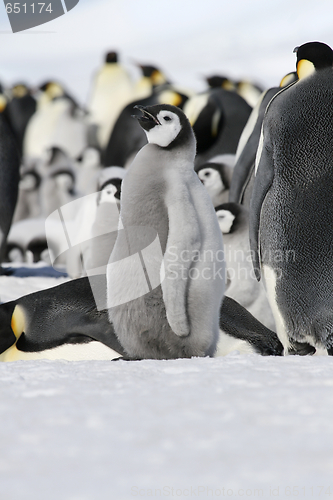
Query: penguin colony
(193, 224)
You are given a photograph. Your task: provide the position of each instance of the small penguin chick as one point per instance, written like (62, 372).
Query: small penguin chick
(110, 191)
(216, 179)
(231, 217)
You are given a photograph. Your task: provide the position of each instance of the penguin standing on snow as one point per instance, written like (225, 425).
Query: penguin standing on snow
(9, 180)
(164, 291)
(112, 89)
(291, 216)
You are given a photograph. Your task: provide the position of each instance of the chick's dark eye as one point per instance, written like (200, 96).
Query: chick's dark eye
(167, 118)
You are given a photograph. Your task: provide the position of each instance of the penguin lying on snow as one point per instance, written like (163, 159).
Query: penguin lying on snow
(291, 216)
(63, 323)
(58, 323)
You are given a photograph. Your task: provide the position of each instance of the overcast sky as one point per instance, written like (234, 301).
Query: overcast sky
(186, 38)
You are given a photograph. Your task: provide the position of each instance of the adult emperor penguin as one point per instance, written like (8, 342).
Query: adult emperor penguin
(112, 89)
(61, 322)
(20, 108)
(218, 117)
(166, 272)
(291, 216)
(9, 180)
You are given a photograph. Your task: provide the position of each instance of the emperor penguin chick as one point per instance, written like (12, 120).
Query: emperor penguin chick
(165, 278)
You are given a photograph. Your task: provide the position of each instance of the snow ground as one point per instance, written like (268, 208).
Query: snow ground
(237, 427)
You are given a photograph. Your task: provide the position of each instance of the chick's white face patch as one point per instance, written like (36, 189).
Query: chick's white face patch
(107, 194)
(212, 181)
(167, 131)
(226, 220)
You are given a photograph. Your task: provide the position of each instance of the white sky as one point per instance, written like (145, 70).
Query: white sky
(186, 38)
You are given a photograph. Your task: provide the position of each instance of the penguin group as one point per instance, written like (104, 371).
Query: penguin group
(188, 224)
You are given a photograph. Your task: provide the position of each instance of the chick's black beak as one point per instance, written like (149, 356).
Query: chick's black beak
(146, 120)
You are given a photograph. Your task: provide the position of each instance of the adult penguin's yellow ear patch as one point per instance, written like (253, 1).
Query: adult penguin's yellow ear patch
(170, 97)
(3, 103)
(8, 349)
(305, 68)
(18, 322)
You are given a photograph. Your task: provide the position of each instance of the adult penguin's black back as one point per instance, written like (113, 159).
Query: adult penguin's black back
(9, 179)
(20, 109)
(291, 219)
(218, 118)
(243, 175)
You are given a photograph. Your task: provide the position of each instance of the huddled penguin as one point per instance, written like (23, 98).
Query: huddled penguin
(9, 180)
(57, 186)
(87, 170)
(58, 122)
(151, 77)
(241, 281)
(216, 178)
(28, 201)
(106, 221)
(24, 237)
(291, 216)
(243, 175)
(246, 89)
(169, 226)
(112, 89)
(95, 225)
(218, 117)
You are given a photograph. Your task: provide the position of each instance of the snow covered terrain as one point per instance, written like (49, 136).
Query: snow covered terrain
(235, 427)
(231, 427)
